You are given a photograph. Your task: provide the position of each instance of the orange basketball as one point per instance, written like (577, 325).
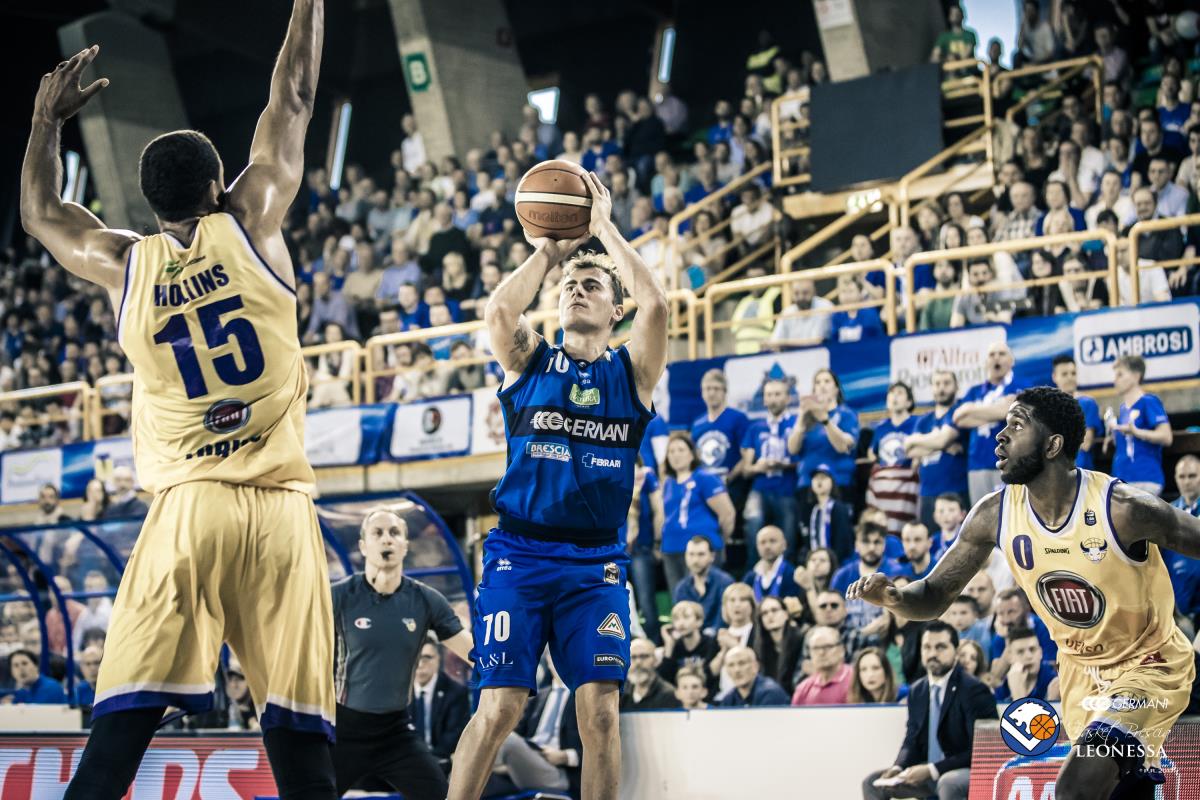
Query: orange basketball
(1042, 726)
(554, 201)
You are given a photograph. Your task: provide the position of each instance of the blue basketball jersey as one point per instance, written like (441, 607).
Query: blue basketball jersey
(574, 430)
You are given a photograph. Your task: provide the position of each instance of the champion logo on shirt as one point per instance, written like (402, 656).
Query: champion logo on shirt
(362, 623)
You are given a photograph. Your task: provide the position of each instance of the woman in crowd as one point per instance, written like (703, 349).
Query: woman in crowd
(1045, 300)
(703, 249)
(957, 214)
(778, 642)
(738, 611)
(929, 223)
(974, 661)
(857, 323)
(1081, 294)
(694, 504)
(952, 235)
(873, 680)
(827, 432)
(95, 501)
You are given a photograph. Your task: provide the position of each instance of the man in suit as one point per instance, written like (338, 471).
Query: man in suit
(545, 750)
(440, 707)
(935, 760)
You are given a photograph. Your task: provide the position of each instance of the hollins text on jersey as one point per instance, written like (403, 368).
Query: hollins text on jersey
(219, 381)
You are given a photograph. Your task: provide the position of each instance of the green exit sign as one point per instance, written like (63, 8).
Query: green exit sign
(416, 70)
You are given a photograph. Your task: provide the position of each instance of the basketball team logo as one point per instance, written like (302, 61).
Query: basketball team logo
(1029, 726)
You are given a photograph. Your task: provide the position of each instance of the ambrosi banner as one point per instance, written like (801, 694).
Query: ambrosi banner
(1164, 335)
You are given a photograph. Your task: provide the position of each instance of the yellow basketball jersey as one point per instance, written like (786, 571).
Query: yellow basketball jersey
(219, 383)
(1101, 604)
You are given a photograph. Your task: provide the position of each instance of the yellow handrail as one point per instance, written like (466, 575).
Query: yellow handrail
(971, 251)
(352, 350)
(1135, 233)
(820, 237)
(777, 150)
(720, 290)
(1070, 68)
(97, 411)
(78, 388)
(923, 169)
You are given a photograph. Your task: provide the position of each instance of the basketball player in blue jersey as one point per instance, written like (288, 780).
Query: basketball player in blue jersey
(553, 569)
(1087, 550)
(231, 549)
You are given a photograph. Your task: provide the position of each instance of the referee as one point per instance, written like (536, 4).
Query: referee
(381, 619)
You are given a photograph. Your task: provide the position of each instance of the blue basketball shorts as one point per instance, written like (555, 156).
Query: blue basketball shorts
(536, 593)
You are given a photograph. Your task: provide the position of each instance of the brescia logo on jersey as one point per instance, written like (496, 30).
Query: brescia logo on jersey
(1070, 599)
(580, 428)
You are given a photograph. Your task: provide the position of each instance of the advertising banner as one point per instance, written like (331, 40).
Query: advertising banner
(432, 429)
(174, 768)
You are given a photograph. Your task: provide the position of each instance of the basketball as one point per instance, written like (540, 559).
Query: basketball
(554, 201)
(1042, 726)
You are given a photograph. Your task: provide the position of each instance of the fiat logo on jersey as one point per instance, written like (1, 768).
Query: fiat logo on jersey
(1070, 599)
(226, 416)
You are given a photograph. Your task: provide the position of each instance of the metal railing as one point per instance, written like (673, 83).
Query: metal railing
(1136, 232)
(349, 350)
(886, 304)
(1017, 245)
(69, 413)
(98, 411)
(784, 148)
(968, 144)
(722, 223)
(1068, 69)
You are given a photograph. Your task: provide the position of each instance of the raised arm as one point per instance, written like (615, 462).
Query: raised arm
(261, 195)
(74, 236)
(513, 339)
(1141, 517)
(648, 338)
(929, 597)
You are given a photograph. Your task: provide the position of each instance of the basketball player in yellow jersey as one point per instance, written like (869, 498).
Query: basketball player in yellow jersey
(230, 550)
(1085, 548)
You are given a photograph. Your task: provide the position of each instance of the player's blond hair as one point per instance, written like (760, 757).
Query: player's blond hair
(590, 259)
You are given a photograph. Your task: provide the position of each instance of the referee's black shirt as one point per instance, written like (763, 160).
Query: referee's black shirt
(379, 638)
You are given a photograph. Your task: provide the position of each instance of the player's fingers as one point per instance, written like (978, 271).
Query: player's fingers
(93, 88)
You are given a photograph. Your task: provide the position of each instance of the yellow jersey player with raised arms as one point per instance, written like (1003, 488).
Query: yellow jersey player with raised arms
(231, 549)
(1085, 548)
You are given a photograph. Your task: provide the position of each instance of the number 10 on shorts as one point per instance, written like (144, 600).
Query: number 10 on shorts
(501, 623)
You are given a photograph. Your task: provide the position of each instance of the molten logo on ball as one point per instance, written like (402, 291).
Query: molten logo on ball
(1029, 726)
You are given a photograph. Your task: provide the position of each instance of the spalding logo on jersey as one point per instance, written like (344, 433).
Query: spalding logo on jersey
(1070, 599)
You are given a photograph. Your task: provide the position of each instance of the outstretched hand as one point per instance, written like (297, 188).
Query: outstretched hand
(877, 589)
(601, 202)
(60, 96)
